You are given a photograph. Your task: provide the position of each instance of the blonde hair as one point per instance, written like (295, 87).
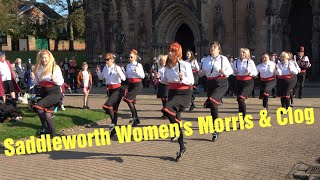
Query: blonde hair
(16, 61)
(48, 68)
(246, 51)
(163, 58)
(285, 55)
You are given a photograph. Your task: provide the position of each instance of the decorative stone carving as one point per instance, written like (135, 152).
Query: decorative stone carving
(277, 29)
(251, 25)
(316, 24)
(119, 34)
(273, 7)
(130, 6)
(142, 35)
(219, 27)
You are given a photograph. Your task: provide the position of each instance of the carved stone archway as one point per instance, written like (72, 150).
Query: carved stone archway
(168, 23)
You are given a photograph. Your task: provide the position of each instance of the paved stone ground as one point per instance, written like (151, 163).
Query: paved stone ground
(259, 153)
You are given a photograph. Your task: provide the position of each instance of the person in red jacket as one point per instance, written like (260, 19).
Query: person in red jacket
(8, 83)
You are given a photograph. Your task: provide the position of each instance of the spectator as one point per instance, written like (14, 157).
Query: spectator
(20, 70)
(73, 71)
(85, 82)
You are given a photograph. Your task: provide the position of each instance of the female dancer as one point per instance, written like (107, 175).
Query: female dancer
(244, 69)
(267, 69)
(178, 76)
(113, 76)
(163, 89)
(49, 77)
(216, 68)
(286, 80)
(195, 70)
(294, 76)
(135, 74)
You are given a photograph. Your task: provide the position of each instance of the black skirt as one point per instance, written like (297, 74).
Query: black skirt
(266, 87)
(114, 98)
(133, 90)
(50, 97)
(285, 86)
(244, 88)
(216, 89)
(163, 91)
(178, 101)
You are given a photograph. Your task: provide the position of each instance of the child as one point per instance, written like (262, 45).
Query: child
(63, 90)
(85, 82)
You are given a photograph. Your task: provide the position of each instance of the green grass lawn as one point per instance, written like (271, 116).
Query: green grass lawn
(58, 55)
(63, 119)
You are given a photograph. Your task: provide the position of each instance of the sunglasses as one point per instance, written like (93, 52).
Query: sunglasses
(108, 59)
(130, 57)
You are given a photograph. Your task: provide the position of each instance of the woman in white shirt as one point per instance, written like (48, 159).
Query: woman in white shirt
(268, 71)
(244, 69)
(216, 68)
(49, 77)
(195, 71)
(294, 76)
(178, 76)
(163, 89)
(113, 75)
(286, 80)
(135, 74)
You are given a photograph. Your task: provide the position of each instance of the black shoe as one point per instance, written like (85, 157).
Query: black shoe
(134, 121)
(84, 107)
(215, 136)
(191, 107)
(180, 154)
(41, 131)
(87, 107)
(112, 130)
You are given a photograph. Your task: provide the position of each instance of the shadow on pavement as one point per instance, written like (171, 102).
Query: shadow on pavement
(64, 155)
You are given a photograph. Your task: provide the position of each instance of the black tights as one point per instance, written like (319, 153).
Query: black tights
(285, 102)
(242, 106)
(214, 110)
(133, 110)
(265, 101)
(172, 120)
(46, 121)
(113, 115)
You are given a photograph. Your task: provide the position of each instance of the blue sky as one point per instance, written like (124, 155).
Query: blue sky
(56, 9)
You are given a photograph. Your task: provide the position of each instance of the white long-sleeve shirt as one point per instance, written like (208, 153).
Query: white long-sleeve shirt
(194, 65)
(240, 67)
(5, 71)
(171, 75)
(287, 69)
(211, 66)
(296, 65)
(112, 74)
(161, 71)
(57, 74)
(267, 70)
(135, 70)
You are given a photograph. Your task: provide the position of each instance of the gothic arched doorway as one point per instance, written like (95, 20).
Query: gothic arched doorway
(184, 36)
(300, 19)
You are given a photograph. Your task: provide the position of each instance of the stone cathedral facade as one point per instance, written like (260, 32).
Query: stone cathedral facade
(151, 25)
